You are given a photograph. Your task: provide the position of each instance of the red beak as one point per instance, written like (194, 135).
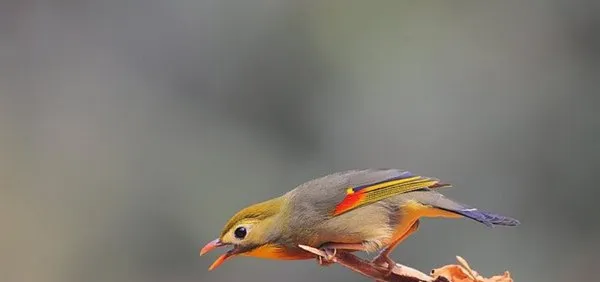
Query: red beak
(211, 246)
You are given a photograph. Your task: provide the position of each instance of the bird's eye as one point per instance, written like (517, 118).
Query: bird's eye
(240, 232)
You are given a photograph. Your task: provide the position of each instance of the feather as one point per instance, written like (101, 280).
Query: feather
(437, 200)
(374, 192)
(487, 218)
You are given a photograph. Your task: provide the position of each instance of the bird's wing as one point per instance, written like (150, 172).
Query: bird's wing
(374, 191)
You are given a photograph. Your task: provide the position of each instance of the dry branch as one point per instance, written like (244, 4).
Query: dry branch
(402, 273)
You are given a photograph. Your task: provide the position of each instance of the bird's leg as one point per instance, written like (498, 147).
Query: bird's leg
(330, 249)
(383, 257)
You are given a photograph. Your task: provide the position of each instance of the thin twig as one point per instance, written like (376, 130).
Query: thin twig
(400, 273)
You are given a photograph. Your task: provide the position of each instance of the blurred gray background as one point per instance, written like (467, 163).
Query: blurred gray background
(131, 130)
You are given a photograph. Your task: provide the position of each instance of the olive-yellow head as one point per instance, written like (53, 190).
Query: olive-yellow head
(253, 231)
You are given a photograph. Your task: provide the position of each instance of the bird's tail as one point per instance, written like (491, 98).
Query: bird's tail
(487, 218)
(435, 199)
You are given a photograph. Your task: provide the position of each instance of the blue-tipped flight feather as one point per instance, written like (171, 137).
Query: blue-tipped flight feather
(487, 218)
(435, 199)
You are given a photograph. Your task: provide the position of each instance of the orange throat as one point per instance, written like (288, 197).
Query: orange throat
(272, 251)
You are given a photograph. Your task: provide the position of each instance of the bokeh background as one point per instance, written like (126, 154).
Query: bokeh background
(131, 130)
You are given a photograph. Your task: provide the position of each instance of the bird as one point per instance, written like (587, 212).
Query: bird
(369, 210)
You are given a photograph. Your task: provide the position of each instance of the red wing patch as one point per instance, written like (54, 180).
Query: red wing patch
(366, 194)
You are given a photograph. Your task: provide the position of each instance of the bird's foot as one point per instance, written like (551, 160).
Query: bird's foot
(325, 254)
(329, 256)
(382, 260)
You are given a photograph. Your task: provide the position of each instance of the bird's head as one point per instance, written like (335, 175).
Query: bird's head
(250, 232)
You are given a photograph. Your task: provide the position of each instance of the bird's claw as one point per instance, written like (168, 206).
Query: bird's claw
(325, 256)
(329, 254)
(382, 260)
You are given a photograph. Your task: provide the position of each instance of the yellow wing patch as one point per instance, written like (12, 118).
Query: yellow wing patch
(367, 194)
